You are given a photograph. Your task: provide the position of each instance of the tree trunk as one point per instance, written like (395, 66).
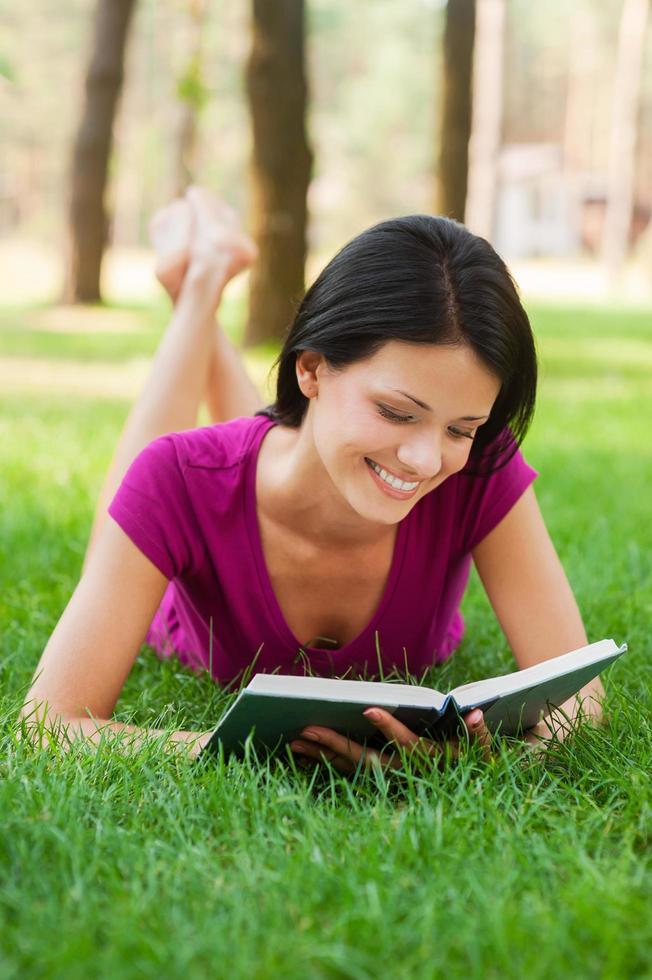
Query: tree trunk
(622, 150)
(88, 229)
(459, 33)
(192, 94)
(280, 166)
(584, 68)
(487, 106)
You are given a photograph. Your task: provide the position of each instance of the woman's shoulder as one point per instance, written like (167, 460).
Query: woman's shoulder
(470, 503)
(218, 446)
(487, 493)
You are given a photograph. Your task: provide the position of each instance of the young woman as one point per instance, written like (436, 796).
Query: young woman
(337, 526)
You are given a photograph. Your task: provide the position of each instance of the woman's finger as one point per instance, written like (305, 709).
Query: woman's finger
(394, 731)
(320, 743)
(341, 751)
(400, 735)
(313, 756)
(478, 731)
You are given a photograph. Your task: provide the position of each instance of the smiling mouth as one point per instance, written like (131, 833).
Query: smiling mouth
(391, 481)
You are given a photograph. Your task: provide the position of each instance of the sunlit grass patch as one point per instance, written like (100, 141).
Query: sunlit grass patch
(147, 865)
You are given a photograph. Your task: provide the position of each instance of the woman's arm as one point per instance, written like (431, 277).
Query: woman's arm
(94, 645)
(532, 599)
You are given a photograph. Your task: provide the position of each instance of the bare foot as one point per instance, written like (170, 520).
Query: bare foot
(199, 230)
(217, 241)
(169, 233)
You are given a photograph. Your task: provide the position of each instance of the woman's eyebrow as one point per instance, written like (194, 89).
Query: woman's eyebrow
(413, 399)
(463, 418)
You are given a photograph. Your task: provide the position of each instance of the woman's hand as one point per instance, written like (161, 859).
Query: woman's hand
(189, 742)
(316, 743)
(201, 234)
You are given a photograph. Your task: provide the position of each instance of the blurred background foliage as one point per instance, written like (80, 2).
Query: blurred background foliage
(375, 73)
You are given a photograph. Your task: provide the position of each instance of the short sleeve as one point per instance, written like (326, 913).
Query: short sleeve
(487, 499)
(153, 508)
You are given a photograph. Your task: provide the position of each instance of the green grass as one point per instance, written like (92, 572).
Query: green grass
(149, 865)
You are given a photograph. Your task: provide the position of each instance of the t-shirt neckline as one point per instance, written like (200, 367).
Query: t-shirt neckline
(317, 654)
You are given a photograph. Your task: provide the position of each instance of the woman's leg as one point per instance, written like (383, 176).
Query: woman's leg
(230, 392)
(194, 360)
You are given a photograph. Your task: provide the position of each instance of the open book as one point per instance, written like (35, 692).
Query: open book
(275, 707)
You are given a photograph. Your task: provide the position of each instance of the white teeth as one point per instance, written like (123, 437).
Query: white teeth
(392, 480)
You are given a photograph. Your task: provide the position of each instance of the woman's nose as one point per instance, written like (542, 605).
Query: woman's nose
(421, 457)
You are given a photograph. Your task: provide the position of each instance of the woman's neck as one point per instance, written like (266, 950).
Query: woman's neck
(294, 490)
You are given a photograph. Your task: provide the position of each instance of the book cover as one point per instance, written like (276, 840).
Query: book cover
(274, 708)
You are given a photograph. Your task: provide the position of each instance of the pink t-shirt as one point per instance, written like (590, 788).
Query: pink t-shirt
(188, 503)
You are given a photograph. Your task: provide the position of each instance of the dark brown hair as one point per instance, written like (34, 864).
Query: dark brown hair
(419, 279)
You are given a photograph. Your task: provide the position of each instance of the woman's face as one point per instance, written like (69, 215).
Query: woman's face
(391, 428)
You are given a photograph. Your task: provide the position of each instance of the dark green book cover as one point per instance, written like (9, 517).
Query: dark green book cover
(274, 708)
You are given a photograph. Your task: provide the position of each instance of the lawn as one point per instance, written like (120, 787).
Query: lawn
(147, 865)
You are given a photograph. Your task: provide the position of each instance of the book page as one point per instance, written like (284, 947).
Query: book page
(330, 689)
(567, 663)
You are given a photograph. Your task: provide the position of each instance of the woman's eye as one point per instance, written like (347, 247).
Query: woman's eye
(386, 413)
(461, 435)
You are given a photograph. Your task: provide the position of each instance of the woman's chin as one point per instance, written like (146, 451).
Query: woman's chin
(386, 512)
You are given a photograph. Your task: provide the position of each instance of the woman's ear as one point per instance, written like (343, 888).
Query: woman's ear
(307, 364)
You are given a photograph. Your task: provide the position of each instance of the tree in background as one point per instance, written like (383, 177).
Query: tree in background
(452, 175)
(193, 96)
(88, 221)
(280, 166)
(622, 150)
(487, 104)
